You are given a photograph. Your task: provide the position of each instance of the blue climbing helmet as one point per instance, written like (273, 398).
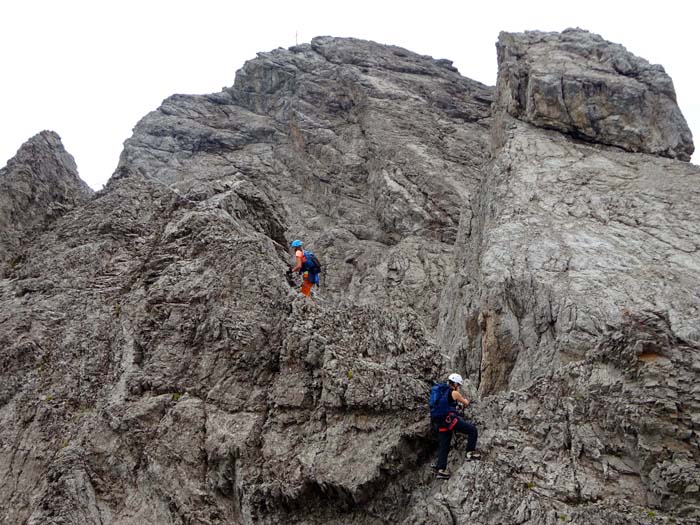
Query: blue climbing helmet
(310, 262)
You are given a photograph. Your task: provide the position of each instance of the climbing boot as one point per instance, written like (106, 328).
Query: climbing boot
(442, 474)
(473, 455)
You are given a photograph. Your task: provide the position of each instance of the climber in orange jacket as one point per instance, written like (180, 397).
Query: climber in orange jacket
(307, 265)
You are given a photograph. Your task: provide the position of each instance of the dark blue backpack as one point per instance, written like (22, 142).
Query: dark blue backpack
(440, 400)
(311, 264)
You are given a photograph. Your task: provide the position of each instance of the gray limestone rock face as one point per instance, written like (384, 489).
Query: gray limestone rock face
(609, 438)
(152, 376)
(38, 185)
(157, 367)
(370, 150)
(567, 238)
(580, 84)
(574, 303)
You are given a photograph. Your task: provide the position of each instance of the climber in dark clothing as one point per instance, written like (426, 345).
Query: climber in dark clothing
(453, 423)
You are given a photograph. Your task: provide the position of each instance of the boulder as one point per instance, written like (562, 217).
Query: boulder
(577, 83)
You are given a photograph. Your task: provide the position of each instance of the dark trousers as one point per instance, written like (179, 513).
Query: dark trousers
(446, 438)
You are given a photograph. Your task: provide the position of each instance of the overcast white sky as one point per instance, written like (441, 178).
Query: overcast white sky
(89, 70)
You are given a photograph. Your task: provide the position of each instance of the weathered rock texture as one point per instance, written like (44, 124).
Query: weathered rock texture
(369, 151)
(157, 368)
(575, 301)
(578, 83)
(38, 185)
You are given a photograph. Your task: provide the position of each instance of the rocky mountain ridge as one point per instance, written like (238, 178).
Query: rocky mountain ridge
(159, 369)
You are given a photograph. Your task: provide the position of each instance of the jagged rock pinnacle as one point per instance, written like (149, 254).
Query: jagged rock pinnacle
(38, 185)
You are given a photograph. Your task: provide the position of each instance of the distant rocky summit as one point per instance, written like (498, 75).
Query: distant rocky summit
(38, 185)
(540, 237)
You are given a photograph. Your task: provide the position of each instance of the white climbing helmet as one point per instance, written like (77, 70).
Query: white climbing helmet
(455, 378)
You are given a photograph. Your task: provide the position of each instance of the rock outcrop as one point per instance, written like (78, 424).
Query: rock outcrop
(574, 305)
(335, 132)
(158, 362)
(158, 368)
(578, 83)
(38, 185)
